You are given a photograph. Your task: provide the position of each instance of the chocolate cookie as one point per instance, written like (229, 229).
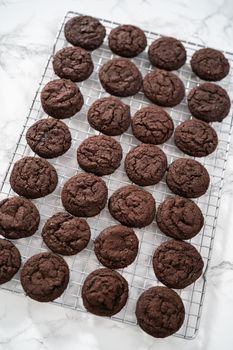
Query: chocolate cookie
(10, 260)
(145, 164)
(84, 195)
(73, 63)
(132, 206)
(196, 138)
(120, 77)
(109, 115)
(49, 138)
(104, 292)
(116, 247)
(179, 218)
(99, 154)
(45, 276)
(160, 312)
(152, 124)
(209, 102)
(210, 64)
(127, 40)
(19, 218)
(177, 264)
(187, 178)
(164, 88)
(33, 177)
(65, 234)
(167, 53)
(85, 31)
(61, 98)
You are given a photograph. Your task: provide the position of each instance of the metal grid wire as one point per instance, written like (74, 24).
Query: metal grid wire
(139, 275)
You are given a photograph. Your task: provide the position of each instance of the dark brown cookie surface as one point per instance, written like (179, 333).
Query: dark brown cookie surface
(132, 206)
(209, 102)
(163, 88)
(145, 164)
(127, 40)
(84, 195)
(73, 63)
(33, 177)
(116, 247)
(10, 260)
(120, 77)
(210, 64)
(109, 115)
(99, 154)
(49, 138)
(61, 98)
(65, 234)
(152, 124)
(45, 276)
(167, 53)
(196, 138)
(187, 178)
(160, 311)
(85, 31)
(179, 218)
(104, 292)
(177, 264)
(19, 218)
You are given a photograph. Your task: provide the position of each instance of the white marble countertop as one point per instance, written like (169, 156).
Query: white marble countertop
(27, 32)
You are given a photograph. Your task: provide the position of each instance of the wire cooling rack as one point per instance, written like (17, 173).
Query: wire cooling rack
(139, 275)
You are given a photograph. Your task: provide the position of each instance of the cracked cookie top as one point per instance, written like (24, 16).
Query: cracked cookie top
(132, 206)
(152, 124)
(65, 234)
(160, 311)
(19, 218)
(210, 64)
(179, 218)
(177, 264)
(85, 31)
(99, 154)
(104, 292)
(33, 177)
(84, 195)
(116, 247)
(10, 260)
(127, 40)
(188, 178)
(73, 63)
(45, 276)
(209, 102)
(49, 138)
(145, 164)
(196, 138)
(109, 115)
(61, 98)
(120, 77)
(167, 53)
(163, 88)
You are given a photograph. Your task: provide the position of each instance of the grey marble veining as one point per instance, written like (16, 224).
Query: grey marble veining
(27, 32)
